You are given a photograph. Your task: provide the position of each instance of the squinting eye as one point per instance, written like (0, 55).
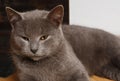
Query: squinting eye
(25, 38)
(43, 37)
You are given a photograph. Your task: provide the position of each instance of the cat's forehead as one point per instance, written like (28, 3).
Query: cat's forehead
(35, 14)
(36, 26)
(35, 19)
(35, 22)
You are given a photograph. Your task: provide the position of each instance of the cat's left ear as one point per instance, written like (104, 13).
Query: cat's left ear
(56, 15)
(13, 15)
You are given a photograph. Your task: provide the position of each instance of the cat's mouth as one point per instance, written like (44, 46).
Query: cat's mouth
(33, 58)
(37, 58)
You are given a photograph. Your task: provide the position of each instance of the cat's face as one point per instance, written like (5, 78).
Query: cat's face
(38, 37)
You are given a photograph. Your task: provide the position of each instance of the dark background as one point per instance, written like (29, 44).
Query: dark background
(6, 66)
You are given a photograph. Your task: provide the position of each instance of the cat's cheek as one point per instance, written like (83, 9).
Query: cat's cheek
(41, 51)
(21, 43)
(25, 47)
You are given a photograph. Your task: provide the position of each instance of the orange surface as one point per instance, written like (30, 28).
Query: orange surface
(93, 78)
(96, 78)
(9, 78)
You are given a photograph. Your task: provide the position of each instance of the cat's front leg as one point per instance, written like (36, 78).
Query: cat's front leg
(78, 76)
(110, 71)
(25, 77)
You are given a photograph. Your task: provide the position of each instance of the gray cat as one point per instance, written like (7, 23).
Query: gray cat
(39, 49)
(98, 50)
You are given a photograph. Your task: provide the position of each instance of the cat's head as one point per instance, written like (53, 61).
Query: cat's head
(36, 34)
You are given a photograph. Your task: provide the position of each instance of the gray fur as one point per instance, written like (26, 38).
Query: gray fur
(98, 50)
(35, 13)
(54, 60)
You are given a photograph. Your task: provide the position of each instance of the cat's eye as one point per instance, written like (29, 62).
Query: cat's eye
(43, 37)
(25, 38)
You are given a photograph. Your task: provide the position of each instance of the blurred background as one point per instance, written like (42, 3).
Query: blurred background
(103, 14)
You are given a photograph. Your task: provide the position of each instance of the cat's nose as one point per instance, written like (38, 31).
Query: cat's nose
(34, 51)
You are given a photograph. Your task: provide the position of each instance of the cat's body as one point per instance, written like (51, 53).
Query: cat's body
(40, 51)
(96, 48)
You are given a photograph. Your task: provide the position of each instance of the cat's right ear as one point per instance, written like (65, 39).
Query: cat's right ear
(13, 15)
(56, 15)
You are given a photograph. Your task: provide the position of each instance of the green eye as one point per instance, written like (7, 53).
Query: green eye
(25, 38)
(43, 37)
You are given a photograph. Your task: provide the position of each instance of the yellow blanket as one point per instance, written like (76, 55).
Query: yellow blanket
(93, 78)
